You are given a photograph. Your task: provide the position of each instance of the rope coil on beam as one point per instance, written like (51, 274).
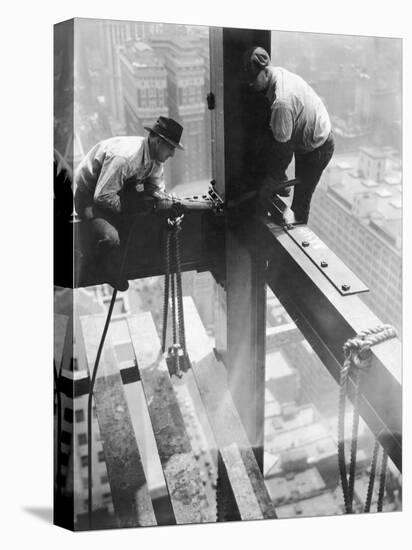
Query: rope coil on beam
(357, 352)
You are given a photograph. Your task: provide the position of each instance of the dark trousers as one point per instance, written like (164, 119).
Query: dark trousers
(104, 236)
(275, 157)
(308, 169)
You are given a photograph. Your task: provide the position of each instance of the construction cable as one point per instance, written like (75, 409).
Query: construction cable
(94, 374)
(166, 290)
(89, 407)
(341, 435)
(372, 476)
(182, 337)
(382, 480)
(357, 356)
(354, 439)
(173, 286)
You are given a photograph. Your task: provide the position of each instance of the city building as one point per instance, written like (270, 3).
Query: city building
(186, 72)
(112, 36)
(74, 456)
(357, 212)
(144, 86)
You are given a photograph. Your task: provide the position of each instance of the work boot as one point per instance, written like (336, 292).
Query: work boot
(301, 216)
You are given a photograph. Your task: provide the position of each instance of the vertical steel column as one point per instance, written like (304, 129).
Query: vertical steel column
(232, 134)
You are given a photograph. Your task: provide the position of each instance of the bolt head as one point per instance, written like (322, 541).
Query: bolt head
(323, 263)
(305, 243)
(345, 287)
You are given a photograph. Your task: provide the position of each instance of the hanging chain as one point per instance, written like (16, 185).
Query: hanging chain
(176, 359)
(357, 359)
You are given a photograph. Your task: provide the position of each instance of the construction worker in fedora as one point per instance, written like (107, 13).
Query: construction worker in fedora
(134, 163)
(299, 125)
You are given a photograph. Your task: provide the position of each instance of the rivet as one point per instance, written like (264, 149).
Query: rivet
(323, 263)
(305, 243)
(345, 287)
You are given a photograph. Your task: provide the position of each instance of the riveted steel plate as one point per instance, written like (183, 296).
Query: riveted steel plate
(338, 273)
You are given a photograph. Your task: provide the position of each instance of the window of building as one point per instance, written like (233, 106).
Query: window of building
(104, 479)
(64, 459)
(100, 456)
(66, 437)
(79, 415)
(68, 415)
(85, 483)
(84, 460)
(82, 439)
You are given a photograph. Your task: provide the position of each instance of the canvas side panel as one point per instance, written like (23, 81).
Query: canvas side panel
(63, 272)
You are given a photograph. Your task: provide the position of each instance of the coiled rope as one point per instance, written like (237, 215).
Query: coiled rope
(357, 354)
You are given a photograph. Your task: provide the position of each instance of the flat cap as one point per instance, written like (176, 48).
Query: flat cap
(254, 60)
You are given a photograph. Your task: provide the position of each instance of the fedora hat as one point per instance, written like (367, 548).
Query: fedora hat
(168, 129)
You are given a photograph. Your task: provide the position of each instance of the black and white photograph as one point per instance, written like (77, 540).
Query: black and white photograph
(227, 329)
(217, 267)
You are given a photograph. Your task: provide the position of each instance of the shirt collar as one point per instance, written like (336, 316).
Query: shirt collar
(271, 91)
(147, 159)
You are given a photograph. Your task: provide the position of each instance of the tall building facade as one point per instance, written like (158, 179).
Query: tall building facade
(357, 212)
(186, 98)
(144, 86)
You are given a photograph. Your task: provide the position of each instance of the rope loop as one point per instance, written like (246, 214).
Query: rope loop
(358, 349)
(357, 354)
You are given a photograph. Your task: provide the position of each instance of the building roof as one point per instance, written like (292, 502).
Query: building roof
(277, 366)
(384, 210)
(375, 152)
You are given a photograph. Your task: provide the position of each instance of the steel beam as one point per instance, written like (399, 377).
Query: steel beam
(233, 444)
(235, 130)
(182, 475)
(328, 319)
(201, 238)
(130, 494)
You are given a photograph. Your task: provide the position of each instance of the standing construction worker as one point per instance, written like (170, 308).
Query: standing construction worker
(299, 125)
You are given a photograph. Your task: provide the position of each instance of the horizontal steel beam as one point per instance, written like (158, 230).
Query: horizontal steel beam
(128, 486)
(181, 471)
(246, 479)
(201, 238)
(328, 319)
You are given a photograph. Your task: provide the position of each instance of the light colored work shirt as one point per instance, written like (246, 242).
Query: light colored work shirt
(104, 170)
(298, 113)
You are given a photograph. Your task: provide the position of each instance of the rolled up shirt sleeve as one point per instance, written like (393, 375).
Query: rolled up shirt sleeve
(113, 173)
(281, 123)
